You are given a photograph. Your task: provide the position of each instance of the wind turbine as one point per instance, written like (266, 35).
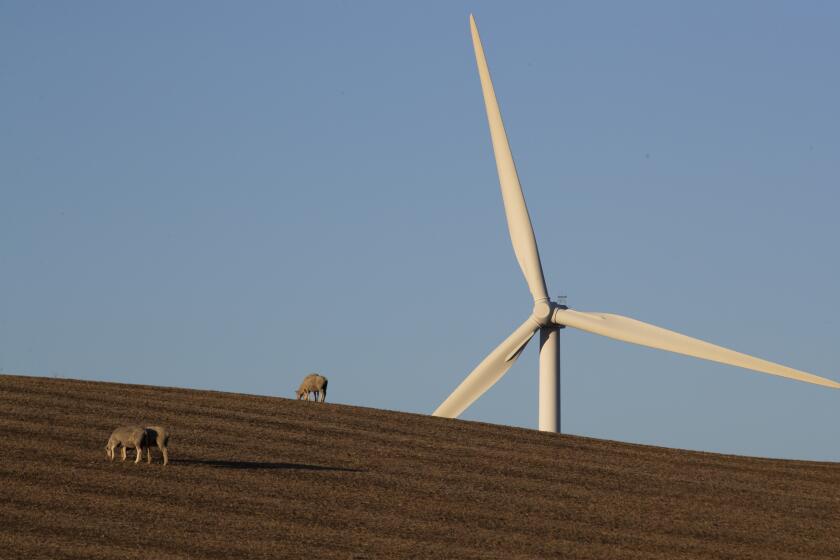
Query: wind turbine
(548, 317)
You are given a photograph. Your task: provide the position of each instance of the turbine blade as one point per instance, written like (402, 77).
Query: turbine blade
(516, 212)
(644, 334)
(490, 370)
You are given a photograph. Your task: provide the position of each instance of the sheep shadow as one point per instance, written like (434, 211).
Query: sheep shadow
(257, 465)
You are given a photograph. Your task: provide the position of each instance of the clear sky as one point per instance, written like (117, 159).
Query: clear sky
(231, 195)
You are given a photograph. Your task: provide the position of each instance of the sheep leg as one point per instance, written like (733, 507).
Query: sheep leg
(165, 456)
(139, 450)
(149, 455)
(122, 452)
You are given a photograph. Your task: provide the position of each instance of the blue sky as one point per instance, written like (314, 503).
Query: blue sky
(229, 196)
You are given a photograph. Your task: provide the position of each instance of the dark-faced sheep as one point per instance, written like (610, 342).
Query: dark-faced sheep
(156, 436)
(313, 383)
(126, 437)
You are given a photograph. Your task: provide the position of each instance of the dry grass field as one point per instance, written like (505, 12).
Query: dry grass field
(261, 477)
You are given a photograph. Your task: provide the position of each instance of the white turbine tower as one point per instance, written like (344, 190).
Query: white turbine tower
(548, 317)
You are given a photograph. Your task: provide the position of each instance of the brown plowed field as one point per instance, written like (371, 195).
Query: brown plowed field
(262, 477)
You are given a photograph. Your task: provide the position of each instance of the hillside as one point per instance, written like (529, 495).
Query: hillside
(262, 477)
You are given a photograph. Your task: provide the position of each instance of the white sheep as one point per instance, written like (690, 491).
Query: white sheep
(156, 436)
(126, 437)
(313, 383)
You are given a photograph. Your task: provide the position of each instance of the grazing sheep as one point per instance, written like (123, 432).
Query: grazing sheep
(156, 436)
(313, 383)
(125, 437)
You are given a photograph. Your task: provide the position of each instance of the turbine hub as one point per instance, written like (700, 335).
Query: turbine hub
(543, 311)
